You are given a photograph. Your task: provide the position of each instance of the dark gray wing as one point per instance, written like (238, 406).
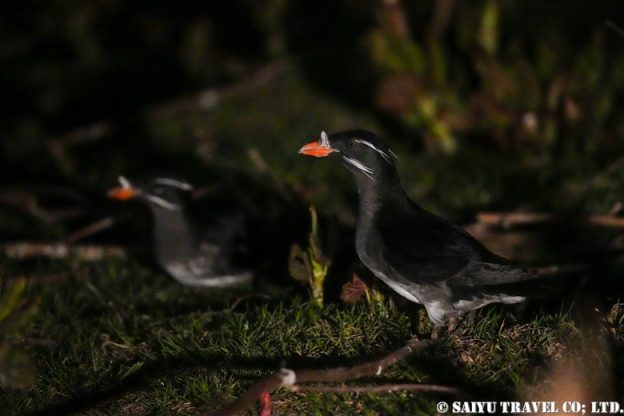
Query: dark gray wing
(454, 270)
(429, 249)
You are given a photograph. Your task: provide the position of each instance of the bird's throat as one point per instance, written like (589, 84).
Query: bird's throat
(173, 235)
(379, 193)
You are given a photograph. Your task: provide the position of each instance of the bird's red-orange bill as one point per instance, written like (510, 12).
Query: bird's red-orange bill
(316, 149)
(122, 194)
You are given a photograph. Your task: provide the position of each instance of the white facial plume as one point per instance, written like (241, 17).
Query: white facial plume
(360, 166)
(185, 186)
(385, 155)
(125, 183)
(324, 139)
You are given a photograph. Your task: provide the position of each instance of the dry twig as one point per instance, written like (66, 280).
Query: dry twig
(204, 100)
(28, 203)
(292, 379)
(91, 229)
(512, 219)
(25, 250)
(383, 388)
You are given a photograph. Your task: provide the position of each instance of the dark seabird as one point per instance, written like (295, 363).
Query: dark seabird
(194, 258)
(423, 257)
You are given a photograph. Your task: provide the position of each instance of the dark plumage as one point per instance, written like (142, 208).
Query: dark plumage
(424, 257)
(198, 259)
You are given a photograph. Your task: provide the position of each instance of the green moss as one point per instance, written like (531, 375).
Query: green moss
(125, 339)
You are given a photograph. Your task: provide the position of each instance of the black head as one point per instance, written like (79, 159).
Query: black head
(160, 192)
(361, 151)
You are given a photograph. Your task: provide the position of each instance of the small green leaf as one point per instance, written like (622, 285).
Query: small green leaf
(131, 370)
(488, 35)
(12, 298)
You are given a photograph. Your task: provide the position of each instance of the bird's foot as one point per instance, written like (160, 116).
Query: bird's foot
(453, 323)
(435, 333)
(450, 330)
(468, 320)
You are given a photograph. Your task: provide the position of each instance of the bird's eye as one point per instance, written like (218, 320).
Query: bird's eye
(351, 143)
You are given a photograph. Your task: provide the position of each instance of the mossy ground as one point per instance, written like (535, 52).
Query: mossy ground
(121, 338)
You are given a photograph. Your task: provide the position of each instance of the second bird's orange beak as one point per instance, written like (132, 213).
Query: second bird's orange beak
(316, 149)
(122, 194)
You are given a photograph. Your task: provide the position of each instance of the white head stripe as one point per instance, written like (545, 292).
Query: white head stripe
(359, 165)
(125, 183)
(324, 139)
(175, 183)
(372, 146)
(162, 203)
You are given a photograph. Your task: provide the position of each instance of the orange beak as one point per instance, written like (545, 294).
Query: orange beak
(122, 194)
(316, 149)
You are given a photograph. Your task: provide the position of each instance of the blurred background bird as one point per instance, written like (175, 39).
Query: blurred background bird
(193, 257)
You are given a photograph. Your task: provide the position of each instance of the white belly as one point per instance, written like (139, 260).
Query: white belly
(398, 288)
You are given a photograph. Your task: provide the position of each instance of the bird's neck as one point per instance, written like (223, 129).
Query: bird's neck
(173, 235)
(383, 191)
